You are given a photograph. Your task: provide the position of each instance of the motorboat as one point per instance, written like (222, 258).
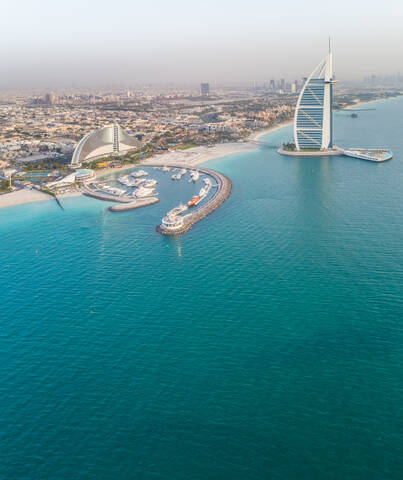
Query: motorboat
(139, 173)
(150, 183)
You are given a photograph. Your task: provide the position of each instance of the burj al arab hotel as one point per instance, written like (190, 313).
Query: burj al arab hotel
(313, 122)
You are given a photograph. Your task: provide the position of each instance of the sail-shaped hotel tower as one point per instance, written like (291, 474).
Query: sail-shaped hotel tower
(313, 122)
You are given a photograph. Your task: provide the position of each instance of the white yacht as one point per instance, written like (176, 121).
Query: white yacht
(124, 180)
(142, 192)
(177, 210)
(150, 183)
(110, 190)
(136, 182)
(165, 169)
(139, 173)
(194, 176)
(204, 191)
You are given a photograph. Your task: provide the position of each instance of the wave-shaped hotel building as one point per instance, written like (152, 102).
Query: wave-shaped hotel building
(108, 140)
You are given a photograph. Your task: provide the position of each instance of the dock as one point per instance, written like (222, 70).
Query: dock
(86, 190)
(221, 194)
(124, 203)
(138, 203)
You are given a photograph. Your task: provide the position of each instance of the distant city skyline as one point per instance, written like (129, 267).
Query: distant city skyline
(45, 44)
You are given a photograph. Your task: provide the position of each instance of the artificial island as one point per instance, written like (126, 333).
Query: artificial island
(313, 120)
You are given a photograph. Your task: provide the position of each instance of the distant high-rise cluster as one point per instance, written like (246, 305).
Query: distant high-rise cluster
(278, 86)
(395, 79)
(50, 98)
(205, 89)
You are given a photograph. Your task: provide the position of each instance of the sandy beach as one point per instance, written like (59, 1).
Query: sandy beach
(193, 156)
(27, 195)
(198, 155)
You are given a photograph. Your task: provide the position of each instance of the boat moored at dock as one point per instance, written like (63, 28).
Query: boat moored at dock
(195, 200)
(194, 176)
(139, 173)
(124, 180)
(142, 192)
(103, 188)
(178, 210)
(175, 224)
(150, 183)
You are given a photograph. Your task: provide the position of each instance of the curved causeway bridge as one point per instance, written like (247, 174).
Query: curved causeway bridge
(183, 223)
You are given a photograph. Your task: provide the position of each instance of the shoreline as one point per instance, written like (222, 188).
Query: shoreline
(201, 154)
(26, 195)
(192, 157)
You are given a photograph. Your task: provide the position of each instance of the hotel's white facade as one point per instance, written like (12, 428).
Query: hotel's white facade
(313, 122)
(107, 140)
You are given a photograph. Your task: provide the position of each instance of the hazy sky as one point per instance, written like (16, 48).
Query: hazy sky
(51, 43)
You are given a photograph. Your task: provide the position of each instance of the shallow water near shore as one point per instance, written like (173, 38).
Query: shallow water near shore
(266, 342)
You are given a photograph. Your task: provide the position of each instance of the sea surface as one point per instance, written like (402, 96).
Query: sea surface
(265, 343)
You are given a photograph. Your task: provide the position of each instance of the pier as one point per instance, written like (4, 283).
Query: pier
(220, 195)
(124, 203)
(89, 192)
(138, 203)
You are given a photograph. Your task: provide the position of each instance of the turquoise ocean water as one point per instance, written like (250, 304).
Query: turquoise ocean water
(265, 343)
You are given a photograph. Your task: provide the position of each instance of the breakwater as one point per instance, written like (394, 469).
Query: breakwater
(86, 190)
(222, 193)
(138, 203)
(223, 185)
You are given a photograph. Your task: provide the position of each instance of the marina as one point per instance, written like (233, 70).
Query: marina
(178, 176)
(175, 224)
(176, 221)
(91, 190)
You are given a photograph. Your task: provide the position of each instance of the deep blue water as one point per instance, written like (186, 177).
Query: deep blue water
(265, 343)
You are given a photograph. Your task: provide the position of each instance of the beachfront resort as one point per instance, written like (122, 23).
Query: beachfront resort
(60, 154)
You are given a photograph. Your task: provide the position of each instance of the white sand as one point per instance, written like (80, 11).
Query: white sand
(26, 195)
(197, 155)
(192, 156)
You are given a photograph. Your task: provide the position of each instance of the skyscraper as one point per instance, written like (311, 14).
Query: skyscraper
(205, 89)
(313, 122)
(50, 98)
